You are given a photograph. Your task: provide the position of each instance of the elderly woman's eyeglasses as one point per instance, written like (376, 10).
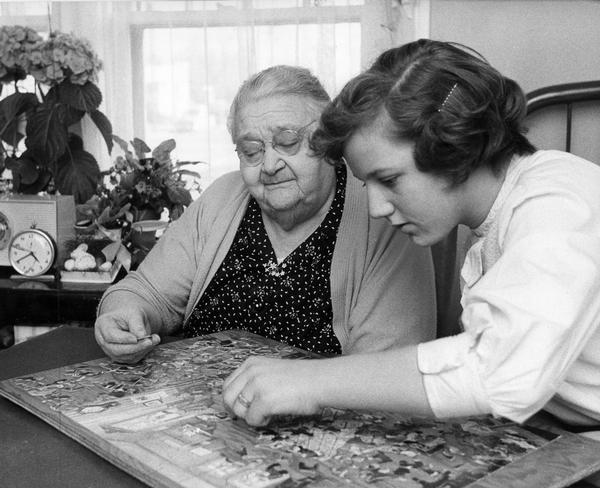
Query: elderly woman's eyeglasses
(286, 142)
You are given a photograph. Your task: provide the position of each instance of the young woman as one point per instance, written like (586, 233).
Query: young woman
(436, 135)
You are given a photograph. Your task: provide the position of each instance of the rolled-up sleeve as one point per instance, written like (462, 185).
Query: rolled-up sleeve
(525, 322)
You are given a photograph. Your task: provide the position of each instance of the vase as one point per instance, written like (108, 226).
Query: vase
(144, 233)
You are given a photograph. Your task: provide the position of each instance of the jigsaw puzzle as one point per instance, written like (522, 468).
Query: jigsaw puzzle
(164, 422)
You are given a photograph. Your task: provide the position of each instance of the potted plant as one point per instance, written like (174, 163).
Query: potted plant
(38, 142)
(142, 192)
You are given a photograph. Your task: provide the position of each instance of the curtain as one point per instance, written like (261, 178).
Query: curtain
(171, 68)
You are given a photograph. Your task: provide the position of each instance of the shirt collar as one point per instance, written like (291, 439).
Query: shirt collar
(507, 185)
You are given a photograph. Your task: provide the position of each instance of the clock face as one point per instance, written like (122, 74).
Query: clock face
(31, 252)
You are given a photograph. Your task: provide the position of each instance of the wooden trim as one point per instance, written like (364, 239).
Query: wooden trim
(237, 17)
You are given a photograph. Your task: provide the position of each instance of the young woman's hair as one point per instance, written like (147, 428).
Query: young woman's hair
(276, 81)
(460, 112)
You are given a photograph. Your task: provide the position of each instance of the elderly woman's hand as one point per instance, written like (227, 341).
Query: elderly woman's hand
(124, 335)
(263, 387)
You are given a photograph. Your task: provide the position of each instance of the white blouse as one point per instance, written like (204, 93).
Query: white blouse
(531, 301)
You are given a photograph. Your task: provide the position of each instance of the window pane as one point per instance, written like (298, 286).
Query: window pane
(276, 3)
(192, 74)
(23, 8)
(181, 5)
(304, 3)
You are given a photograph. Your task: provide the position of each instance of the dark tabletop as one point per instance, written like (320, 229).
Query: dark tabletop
(33, 453)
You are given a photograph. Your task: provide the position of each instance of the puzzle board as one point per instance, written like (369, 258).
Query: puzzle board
(163, 421)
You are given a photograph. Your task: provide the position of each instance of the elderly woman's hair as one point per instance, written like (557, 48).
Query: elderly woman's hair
(459, 111)
(275, 81)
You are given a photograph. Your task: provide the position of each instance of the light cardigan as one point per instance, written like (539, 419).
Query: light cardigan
(531, 301)
(382, 285)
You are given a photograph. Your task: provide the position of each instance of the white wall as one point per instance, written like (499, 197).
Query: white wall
(537, 43)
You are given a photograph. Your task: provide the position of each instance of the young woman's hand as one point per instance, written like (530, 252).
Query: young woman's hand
(388, 380)
(263, 387)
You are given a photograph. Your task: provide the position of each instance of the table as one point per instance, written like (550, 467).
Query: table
(34, 454)
(42, 301)
(35, 304)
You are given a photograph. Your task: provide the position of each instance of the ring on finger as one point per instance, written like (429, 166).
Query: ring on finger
(243, 401)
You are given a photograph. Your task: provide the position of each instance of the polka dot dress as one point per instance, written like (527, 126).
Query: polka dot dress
(288, 301)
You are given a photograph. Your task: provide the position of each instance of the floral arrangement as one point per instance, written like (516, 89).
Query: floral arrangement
(16, 45)
(64, 57)
(142, 184)
(37, 144)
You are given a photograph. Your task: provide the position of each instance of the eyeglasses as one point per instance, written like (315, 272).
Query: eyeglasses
(286, 142)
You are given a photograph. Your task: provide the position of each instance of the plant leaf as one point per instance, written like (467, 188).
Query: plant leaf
(105, 216)
(40, 183)
(77, 173)
(176, 211)
(71, 115)
(27, 168)
(162, 152)
(104, 126)
(140, 148)
(52, 96)
(17, 103)
(85, 97)
(11, 108)
(128, 181)
(47, 135)
(178, 164)
(122, 144)
(75, 142)
(178, 194)
(89, 209)
(11, 163)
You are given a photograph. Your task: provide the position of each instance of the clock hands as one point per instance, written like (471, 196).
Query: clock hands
(30, 253)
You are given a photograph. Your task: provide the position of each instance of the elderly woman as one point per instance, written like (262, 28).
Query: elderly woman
(283, 248)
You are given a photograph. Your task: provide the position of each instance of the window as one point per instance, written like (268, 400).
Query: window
(192, 74)
(192, 57)
(171, 68)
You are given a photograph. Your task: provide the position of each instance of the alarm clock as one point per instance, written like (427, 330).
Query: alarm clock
(51, 214)
(32, 252)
